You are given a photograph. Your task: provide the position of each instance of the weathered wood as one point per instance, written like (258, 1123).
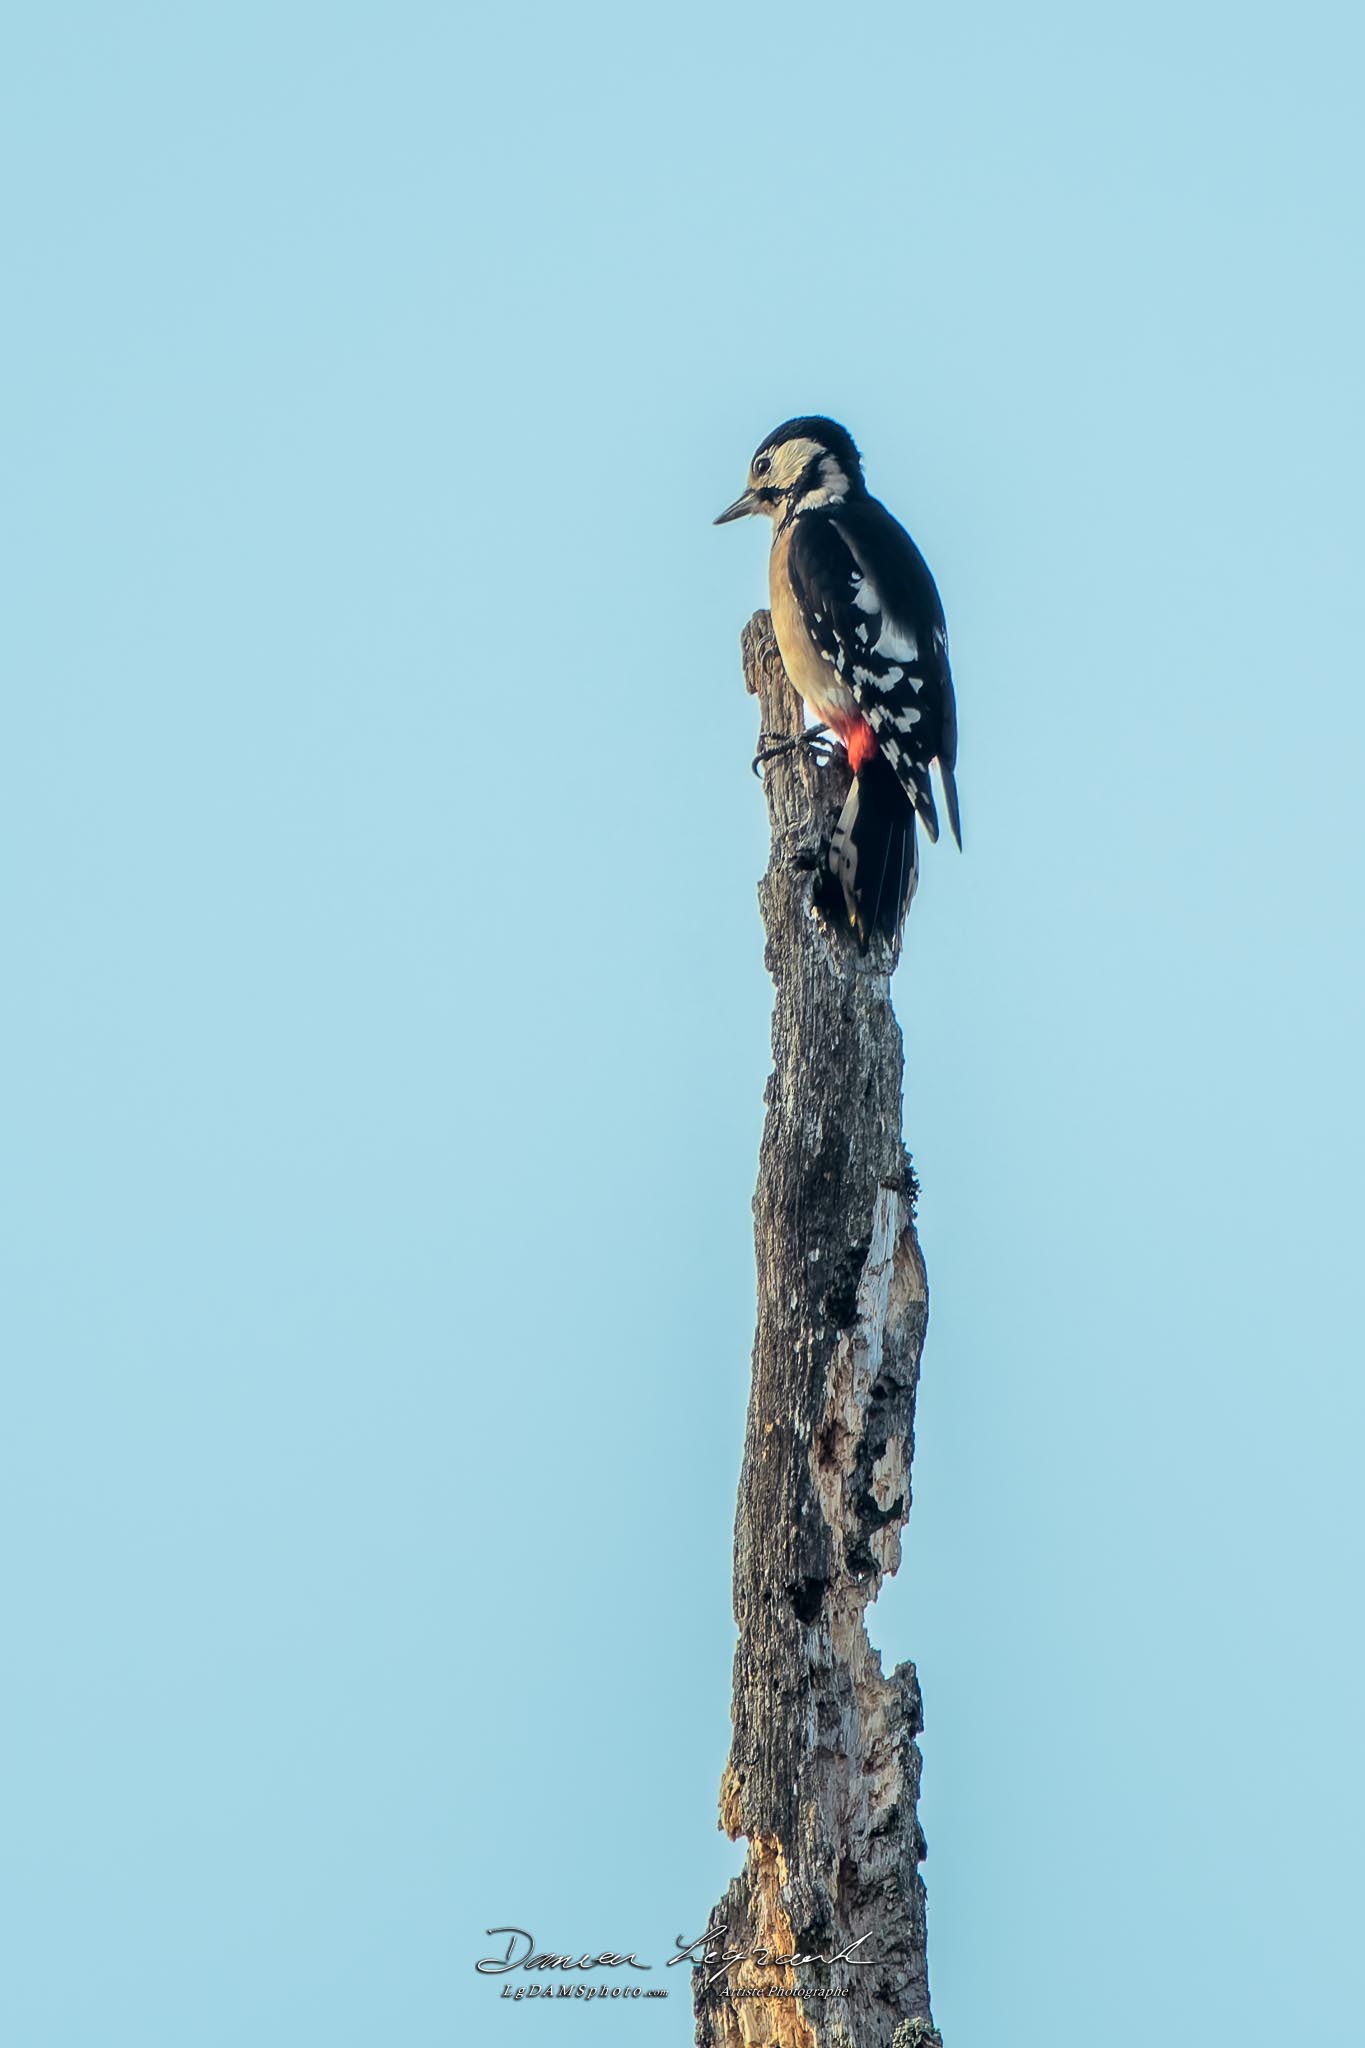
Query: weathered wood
(824, 1770)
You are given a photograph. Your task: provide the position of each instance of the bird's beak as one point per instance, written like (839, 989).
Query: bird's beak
(741, 508)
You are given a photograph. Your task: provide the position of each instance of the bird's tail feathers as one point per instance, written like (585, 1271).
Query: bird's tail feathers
(873, 855)
(921, 794)
(949, 781)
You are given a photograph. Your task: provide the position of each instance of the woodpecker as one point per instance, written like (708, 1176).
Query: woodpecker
(860, 629)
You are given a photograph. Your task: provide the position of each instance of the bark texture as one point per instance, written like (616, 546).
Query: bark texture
(824, 1770)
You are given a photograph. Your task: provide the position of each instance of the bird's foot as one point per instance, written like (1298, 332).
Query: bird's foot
(772, 746)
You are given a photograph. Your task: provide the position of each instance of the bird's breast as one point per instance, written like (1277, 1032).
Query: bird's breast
(830, 700)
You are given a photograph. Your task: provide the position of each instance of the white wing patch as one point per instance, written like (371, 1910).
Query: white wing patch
(892, 643)
(878, 679)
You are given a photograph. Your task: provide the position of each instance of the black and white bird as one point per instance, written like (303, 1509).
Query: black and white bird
(861, 632)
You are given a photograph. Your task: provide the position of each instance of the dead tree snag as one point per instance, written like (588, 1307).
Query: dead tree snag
(824, 1770)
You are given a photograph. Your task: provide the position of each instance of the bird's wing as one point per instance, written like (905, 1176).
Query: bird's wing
(870, 606)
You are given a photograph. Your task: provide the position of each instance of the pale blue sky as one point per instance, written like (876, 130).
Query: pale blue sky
(387, 1025)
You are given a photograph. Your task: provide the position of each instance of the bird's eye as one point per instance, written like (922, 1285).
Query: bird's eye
(762, 464)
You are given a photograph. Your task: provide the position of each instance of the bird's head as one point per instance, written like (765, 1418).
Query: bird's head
(802, 464)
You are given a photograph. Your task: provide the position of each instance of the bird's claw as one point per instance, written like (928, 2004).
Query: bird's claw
(773, 745)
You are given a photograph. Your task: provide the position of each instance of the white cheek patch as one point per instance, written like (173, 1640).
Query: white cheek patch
(790, 460)
(790, 463)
